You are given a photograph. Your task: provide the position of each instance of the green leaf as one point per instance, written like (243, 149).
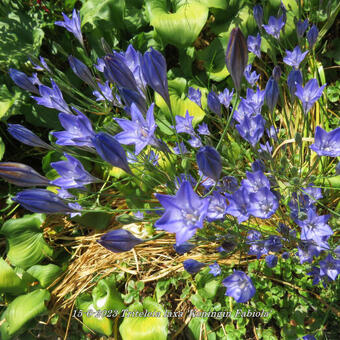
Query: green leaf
(177, 25)
(145, 328)
(221, 4)
(197, 325)
(179, 102)
(26, 244)
(45, 274)
(95, 220)
(7, 101)
(10, 282)
(20, 311)
(2, 148)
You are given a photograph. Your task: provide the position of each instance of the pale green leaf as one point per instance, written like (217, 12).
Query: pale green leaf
(45, 274)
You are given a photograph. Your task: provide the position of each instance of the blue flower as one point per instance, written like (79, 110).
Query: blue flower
(295, 57)
(73, 174)
(274, 26)
(238, 204)
(111, 151)
(255, 100)
(72, 25)
(271, 261)
(180, 149)
(239, 286)
(312, 36)
(294, 77)
(251, 129)
(255, 181)
(78, 130)
(184, 124)
(326, 143)
(195, 142)
(42, 201)
(193, 266)
(225, 97)
(215, 269)
(257, 244)
(26, 136)
(183, 248)
(23, 81)
(273, 133)
(251, 77)
(330, 267)
(273, 243)
(139, 131)
(21, 175)
(258, 15)
(184, 212)
(229, 183)
(106, 94)
(254, 44)
(217, 207)
(195, 95)
(309, 94)
(263, 203)
(265, 148)
(308, 337)
(271, 93)
(301, 27)
(209, 162)
(52, 98)
(214, 103)
(119, 240)
(203, 129)
(308, 249)
(81, 71)
(276, 73)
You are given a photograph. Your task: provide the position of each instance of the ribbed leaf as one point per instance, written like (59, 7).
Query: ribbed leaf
(45, 274)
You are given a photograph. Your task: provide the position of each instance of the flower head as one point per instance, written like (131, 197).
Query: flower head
(295, 57)
(193, 266)
(81, 71)
(258, 15)
(330, 267)
(312, 36)
(263, 203)
(217, 207)
(184, 124)
(225, 97)
(326, 143)
(209, 162)
(238, 204)
(23, 81)
(214, 103)
(239, 286)
(271, 261)
(294, 77)
(203, 129)
(255, 181)
(195, 95)
(215, 269)
(251, 77)
(254, 44)
(301, 27)
(72, 25)
(251, 129)
(184, 213)
(274, 26)
(271, 93)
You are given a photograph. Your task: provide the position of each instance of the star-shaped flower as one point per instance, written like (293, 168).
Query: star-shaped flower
(274, 26)
(326, 143)
(295, 57)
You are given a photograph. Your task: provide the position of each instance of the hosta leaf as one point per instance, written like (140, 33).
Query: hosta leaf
(195, 328)
(45, 274)
(21, 310)
(179, 102)
(10, 282)
(145, 328)
(7, 100)
(26, 244)
(177, 25)
(221, 4)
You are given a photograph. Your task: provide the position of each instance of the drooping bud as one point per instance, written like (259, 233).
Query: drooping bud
(271, 93)
(81, 71)
(209, 162)
(119, 240)
(258, 15)
(237, 56)
(111, 151)
(21, 175)
(26, 136)
(154, 72)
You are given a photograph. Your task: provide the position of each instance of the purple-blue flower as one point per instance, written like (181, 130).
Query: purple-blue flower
(251, 129)
(294, 77)
(276, 73)
(214, 103)
(229, 183)
(330, 267)
(119, 240)
(258, 15)
(26, 136)
(254, 44)
(106, 93)
(209, 162)
(239, 286)
(272, 132)
(42, 201)
(225, 97)
(111, 151)
(301, 27)
(52, 98)
(217, 207)
(215, 269)
(139, 131)
(238, 204)
(326, 143)
(271, 261)
(193, 266)
(255, 100)
(21, 175)
(184, 213)
(72, 25)
(263, 203)
(251, 77)
(312, 36)
(255, 181)
(203, 129)
(309, 94)
(184, 124)
(308, 249)
(274, 26)
(314, 227)
(73, 174)
(271, 93)
(295, 57)
(81, 71)
(23, 81)
(195, 95)
(180, 149)
(195, 142)
(257, 247)
(78, 130)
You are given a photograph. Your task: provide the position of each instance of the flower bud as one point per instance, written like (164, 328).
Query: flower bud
(26, 136)
(154, 71)
(81, 71)
(294, 77)
(237, 56)
(119, 240)
(209, 162)
(111, 151)
(214, 103)
(42, 201)
(312, 36)
(23, 81)
(21, 175)
(193, 266)
(271, 94)
(277, 73)
(301, 27)
(258, 15)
